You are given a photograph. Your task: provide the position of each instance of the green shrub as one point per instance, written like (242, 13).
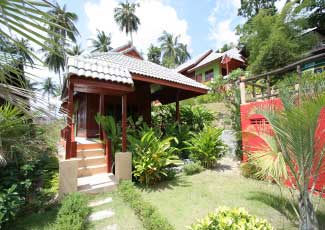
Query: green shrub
(231, 219)
(207, 147)
(192, 168)
(10, 203)
(73, 213)
(248, 170)
(152, 157)
(150, 217)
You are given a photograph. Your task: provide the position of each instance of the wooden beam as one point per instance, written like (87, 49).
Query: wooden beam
(152, 80)
(124, 123)
(101, 112)
(70, 133)
(268, 85)
(177, 106)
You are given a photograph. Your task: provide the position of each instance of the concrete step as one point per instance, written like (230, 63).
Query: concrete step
(90, 153)
(91, 161)
(91, 170)
(90, 146)
(104, 182)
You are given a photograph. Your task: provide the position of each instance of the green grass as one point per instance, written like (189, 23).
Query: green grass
(124, 216)
(188, 198)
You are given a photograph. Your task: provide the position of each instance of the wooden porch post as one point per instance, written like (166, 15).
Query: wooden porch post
(268, 85)
(242, 89)
(70, 140)
(124, 122)
(177, 107)
(101, 112)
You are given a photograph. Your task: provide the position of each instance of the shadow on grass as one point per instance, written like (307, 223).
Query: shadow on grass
(282, 205)
(178, 181)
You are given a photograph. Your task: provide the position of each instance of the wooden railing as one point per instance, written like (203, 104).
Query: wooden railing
(67, 134)
(265, 88)
(108, 151)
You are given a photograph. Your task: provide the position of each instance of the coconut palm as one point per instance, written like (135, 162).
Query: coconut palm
(55, 60)
(102, 43)
(126, 18)
(174, 52)
(296, 139)
(75, 50)
(66, 20)
(49, 88)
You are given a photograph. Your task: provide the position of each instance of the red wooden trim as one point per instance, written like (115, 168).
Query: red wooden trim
(101, 111)
(167, 83)
(70, 133)
(124, 122)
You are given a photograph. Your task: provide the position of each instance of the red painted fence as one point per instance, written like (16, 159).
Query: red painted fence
(251, 121)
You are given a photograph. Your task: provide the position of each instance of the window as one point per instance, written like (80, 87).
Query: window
(199, 78)
(209, 75)
(259, 121)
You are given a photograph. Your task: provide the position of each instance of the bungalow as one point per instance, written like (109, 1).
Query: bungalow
(119, 83)
(211, 64)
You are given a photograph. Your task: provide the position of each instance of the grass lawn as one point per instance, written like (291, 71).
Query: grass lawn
(188, 198)
(124, 216)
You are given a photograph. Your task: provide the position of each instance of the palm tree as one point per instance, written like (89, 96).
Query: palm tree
(126, 19)
(66, 20)
(55, 60)
(154, 54)
(102, 43)
(49, 88)
(174, 52)
(296, 141)
(75, 50)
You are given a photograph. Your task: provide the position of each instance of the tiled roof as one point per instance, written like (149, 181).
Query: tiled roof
(145, 68)
(192, 62)
(95, 68)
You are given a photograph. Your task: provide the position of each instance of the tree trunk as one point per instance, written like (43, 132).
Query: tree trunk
(60, 81)
(308, 218)
(131, 37)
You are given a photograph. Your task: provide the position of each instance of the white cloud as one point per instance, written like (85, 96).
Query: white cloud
(155, 17)
(223, 20)
(280, 4)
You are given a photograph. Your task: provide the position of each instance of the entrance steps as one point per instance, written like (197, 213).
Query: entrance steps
(92, 169)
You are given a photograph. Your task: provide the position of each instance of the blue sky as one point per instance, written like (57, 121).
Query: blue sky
(202, 24)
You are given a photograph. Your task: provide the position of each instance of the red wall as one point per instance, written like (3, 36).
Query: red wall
(250, 120)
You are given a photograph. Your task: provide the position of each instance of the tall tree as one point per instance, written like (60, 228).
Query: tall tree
(154, 54)
(66, 20)
(126, 18)
(102, 43)
(316, 15)
(49, 88)
(173, 52)
(75, 50)
(55, 60)
(250, 8)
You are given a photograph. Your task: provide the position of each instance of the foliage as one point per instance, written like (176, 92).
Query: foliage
(152, 157)
(315, 8)
(102, 43)
(154, 54)
(75, 50)
(73, 213)
(150, 217)
(192, 168)
(296, 141)
(173, 52)
(10, 202)
(249, 169)
(207, 147)
(112, 130)
(250, 8)
(28, 163)
(193, 117)
(49, 88)
(274, 40)
(126, 18)
(236, 218)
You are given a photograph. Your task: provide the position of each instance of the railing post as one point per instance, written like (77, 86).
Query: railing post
(124, 122)
(242, 89)
(254, 92)
(268, 85)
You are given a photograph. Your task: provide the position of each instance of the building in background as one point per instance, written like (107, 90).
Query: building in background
(211, 64)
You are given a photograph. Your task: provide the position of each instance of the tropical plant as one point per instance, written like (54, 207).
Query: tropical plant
(231, 218)
(297, 139)
(207, 147)
(126, 18)
(75, 50)
(10, 202)
(192, 168)
(65, 21)
(112, 129)
(49, 88)
(154, 54)
(173, 52)
(152, 157)
(102, 43)
(250, 8)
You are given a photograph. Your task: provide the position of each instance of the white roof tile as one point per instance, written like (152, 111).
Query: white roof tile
(146, 68)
